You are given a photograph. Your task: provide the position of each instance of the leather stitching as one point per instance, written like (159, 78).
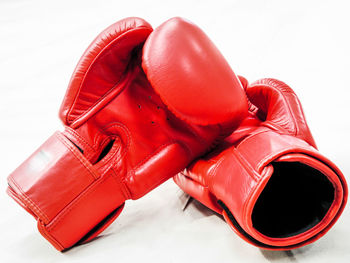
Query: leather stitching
(49, 237)
(30, 202)
(77, 136)
(84, 162)
(122, 185)
(246, 165)
(92, 60)
(90, 189)
(276, 87)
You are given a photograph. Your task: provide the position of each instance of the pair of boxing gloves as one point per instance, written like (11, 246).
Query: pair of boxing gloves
(144, 104)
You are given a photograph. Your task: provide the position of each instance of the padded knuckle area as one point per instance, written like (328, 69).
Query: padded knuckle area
(191, 76)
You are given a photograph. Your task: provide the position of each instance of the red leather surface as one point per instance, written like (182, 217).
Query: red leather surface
(237, 171)
(170, 71)
(111, 101)
(281, 107)
(102, 66)
(29, 178)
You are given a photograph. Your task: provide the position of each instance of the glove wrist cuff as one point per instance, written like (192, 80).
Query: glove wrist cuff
(258, 155)
(59, 196)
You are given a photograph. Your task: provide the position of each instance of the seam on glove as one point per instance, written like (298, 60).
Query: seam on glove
(87, 70)
(29, 201)
(124, 128)
(84, 162)
(87, 191)
(123, 186)
(246, 165)
(77, 136)
(271, 83)
(213, 173)
(49, 237)
(251, 192)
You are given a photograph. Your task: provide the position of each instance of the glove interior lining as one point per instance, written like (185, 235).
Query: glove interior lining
(296, 198)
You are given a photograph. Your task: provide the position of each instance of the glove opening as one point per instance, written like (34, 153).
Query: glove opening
(296, 198)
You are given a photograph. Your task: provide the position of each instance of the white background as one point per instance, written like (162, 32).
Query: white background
(306, 44)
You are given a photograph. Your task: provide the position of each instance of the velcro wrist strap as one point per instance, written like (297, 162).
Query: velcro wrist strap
(65, 193)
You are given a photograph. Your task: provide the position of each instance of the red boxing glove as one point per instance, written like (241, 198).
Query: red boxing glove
(135, 114)
(267, 179)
